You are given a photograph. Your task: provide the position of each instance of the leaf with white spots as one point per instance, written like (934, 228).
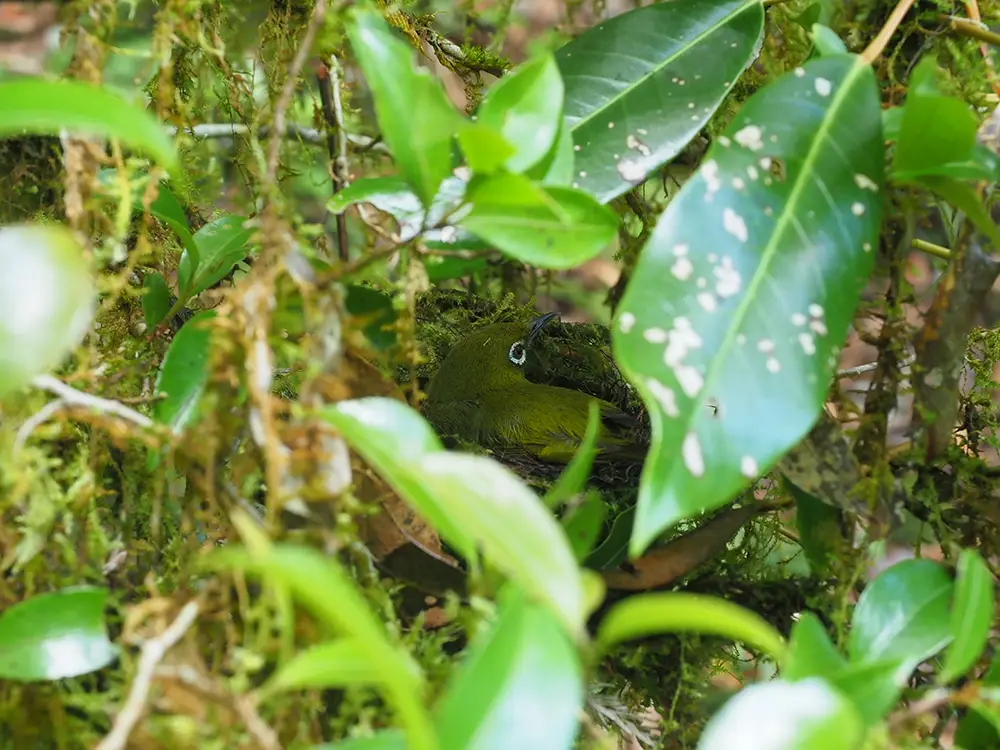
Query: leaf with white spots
(744, 294)
(640, 86)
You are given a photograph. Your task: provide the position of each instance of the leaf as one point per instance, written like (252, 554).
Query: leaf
(971, 616)
(221, 245)
(333, 664)
(40, 107)
(485, 149)
(557, 166)
(902, 616)
(778, 715)
(826, 42)
(818, 525)
(650, 614)
(515, 530)
(520, 686)
(442, 268)
(387, 739)
(47, 300)
(550, 227)
(375, 308)
(935, 130)
(384, 431)
(810, 652)
(748, 285)
(614, 549)
(415, 116)
(184, 373)
(966, 199)
(980, 728)
(574, 477)
(872, 686)
(155, 299)
(641, 85)
(583, 523)
(168, 209)
(56, 635)
(525, 107)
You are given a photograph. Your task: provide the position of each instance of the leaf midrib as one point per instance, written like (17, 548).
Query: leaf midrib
(663, 63)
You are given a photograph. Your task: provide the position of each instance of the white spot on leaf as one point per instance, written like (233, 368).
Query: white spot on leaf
(630, 170)
(798, 319)
(710, 173)
(823, 87)
(733, 223)
(690, 380)
(865, 182)
(748, 467)
(682, 269)
(858, 209)
(765, 345)
(664, 397)
(625, 322)
(691, 452)
(808, 345)
(681, 249)
(727, 278)
(707, 301)
(750, 137)
(773, 365)
(655, 335)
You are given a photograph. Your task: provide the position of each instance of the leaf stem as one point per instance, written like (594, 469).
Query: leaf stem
(931, 249)
(973, 29)
(878, 44)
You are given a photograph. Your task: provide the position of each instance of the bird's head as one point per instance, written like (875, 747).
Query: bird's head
(490, 359)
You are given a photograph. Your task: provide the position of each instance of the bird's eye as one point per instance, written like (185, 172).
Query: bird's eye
(517, 354)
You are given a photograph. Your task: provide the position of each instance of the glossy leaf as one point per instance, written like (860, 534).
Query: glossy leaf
(557, 166)
(826, 42)
(810, 652)
(650, 614)
(573, 478)
(872, 686)
(903, 616)
(818, 525)
(56, 635)
(525, 107)
(549, 227)
(47, 300)
(333, 664)
(748, 285)
(641, 85)
(583, 524)
(392, 437)
(184, 373)
(155, 299)
(485, 149)
(520, 686)
(40, 107)
(221, 245)
(971, 616)
(807, 715)
(614, 548)
(168, 209)
(417, 120)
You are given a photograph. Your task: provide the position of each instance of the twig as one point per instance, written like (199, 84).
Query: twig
(329, 94)
(73, 397)
(311, 136)
(973, 29)
(449, 49)
(930, 702)
(878, 44)
(931, 249)
(153, 652)
(870, 367)
(288, 90)
(35, 421)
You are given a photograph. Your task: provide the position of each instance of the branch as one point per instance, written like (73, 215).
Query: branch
(329, 94)
(878, 44)
(449, 49)
(73, 397)
(153, 652)
(310, 136)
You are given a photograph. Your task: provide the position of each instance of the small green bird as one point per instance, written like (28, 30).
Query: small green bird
(480, 394)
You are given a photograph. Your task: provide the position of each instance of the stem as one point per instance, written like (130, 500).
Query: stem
(968, 28)
(931, 249)
(878, 44)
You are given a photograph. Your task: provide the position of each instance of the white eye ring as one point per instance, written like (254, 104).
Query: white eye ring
(517, 353)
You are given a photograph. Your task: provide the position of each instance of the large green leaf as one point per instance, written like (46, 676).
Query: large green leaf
(525, 106)
(806, 715)
(641, 85)
(549, 227)
(221, 245)
(328, 665)
(743, 295)
(36, 106)
(810, 652)
(417, 121)
(971, 615)
(520, 686)
(47, 299)
(903, 616)
(155, 299)
(184, 373)
(54, 636)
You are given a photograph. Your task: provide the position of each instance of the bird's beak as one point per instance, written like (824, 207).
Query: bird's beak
(538, 324)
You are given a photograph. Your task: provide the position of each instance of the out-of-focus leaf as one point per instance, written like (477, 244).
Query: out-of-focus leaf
(155, 299)
(818, 525)
(549, 227)
(650, 614)
(525, 107)
(520, 686)
(980, 728)
(54, 636)
(557, 166)
(375, 308)
(614, 549)
(41, 107)
(641, 85)
(966, 199)
(485, 149)
(328, 665)
(778, 715)
(748, 285)
(388, 739)
(221, 245)
(810, 652)
(826, 42)
(184, 373)
(574, 477)
(47, 299)
(971, 615)
(417, 120)
(872, 686)
(902, 615)
(583, 523)
(442, 268)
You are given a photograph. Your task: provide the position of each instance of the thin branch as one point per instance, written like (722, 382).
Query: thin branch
(35, 421)
(288, 90)
(931, 249)
(73, 397)
(870, 367)
(333, 115)
(310, 136)
(153, 652)
(449, 49)
(973, 29)
(879, 43)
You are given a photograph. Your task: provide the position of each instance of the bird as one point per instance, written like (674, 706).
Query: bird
(480, 394)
